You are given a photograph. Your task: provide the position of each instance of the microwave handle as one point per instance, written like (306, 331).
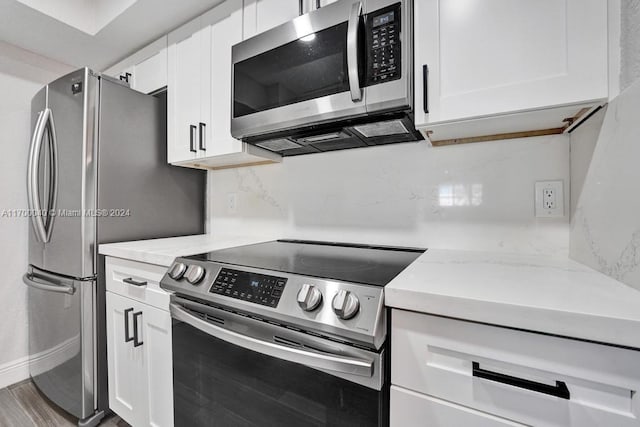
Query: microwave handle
(315, 359)
(352, 51)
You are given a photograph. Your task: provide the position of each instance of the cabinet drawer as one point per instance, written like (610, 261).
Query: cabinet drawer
(526, 377)
(136, 280)
(411, 409)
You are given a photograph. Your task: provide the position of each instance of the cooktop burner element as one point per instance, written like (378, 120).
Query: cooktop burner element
(369, 265)
(332, 289)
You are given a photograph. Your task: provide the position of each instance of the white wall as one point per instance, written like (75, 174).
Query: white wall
(22, 74)
(474, 196)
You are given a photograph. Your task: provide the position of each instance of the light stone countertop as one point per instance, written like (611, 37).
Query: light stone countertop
(164, 251)
(552, 295)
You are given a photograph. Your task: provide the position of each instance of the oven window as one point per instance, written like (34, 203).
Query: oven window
(219, 384)
(308, 68)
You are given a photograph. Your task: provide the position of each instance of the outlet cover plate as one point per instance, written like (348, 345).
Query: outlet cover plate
(549, 198)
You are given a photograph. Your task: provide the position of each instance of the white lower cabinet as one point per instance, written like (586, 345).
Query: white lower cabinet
(139, 361)
(447, 372)
(409, 408)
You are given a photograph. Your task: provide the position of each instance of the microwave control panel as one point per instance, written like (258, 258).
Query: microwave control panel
(251, 287)
(383, 41)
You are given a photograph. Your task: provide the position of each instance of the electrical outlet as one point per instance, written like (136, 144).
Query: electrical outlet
(549, 199)
(232, 203)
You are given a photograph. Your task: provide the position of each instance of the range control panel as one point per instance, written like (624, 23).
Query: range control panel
(252, 287)
(383, 41)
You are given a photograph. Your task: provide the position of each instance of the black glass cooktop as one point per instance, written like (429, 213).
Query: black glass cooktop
(371, 265)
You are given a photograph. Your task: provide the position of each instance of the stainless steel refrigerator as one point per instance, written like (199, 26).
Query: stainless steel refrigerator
(97, 173)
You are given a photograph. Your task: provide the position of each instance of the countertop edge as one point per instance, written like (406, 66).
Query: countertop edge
(572, 325)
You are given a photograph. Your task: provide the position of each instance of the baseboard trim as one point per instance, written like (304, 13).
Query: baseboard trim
(14, 372)
(18, 370)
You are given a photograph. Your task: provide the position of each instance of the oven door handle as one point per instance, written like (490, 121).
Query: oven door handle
(314, 359)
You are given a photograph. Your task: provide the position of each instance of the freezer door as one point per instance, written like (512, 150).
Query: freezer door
(61, 341)
(69, 247)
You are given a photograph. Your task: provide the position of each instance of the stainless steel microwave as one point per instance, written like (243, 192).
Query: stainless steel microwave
(338, 77)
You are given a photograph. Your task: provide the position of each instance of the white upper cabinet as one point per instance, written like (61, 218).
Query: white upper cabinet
(262, 15)
(188, 101)
(499, 57)
(146, 70)
(150, 75)
(224, 34)
(199, 92)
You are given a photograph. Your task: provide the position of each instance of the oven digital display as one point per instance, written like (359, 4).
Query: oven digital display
(383, 19)
(252, 287)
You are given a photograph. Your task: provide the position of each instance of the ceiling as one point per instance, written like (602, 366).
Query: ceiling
(93, 33)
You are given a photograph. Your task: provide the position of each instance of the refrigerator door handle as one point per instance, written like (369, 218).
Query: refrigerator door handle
(53, 181)
(33, 198)
(44, 285)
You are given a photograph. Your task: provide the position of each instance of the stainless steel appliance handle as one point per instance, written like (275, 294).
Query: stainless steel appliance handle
(33, 198)
(53, 182)
(352, 51)
(331, 362)
(39, 283)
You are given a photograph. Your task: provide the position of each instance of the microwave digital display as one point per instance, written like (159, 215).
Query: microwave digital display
(383, 19)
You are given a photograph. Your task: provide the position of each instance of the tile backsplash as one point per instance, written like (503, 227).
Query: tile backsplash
(605, 227)
(474, 196)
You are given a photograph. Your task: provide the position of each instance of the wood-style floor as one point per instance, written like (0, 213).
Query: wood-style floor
(22, 405)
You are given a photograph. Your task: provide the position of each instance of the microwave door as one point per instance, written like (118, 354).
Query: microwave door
(306, 71)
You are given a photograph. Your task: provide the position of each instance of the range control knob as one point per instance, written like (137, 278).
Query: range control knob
(194, 274)
(177, 271)
(309, 297)
(345, 304)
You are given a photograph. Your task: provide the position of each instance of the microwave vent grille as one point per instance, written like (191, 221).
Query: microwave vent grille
(391, 127)
(278, 144)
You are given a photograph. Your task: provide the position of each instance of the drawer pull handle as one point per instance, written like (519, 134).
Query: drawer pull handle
(425, 88)
(136, 338)
(134, 282)
(203, 136)
(559, 390)
(127, 337)
(192, 139)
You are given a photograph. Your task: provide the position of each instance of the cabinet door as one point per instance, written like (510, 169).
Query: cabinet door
(488, 57)
(150, 75)
(224, 34)
(156, 343)
(126, 363)
(183, 97)
(262, 15)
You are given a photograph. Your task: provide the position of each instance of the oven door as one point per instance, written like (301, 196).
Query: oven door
(233, 370)
(305, 71)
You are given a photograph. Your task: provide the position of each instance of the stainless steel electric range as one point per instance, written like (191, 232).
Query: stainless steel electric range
(283, 333)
